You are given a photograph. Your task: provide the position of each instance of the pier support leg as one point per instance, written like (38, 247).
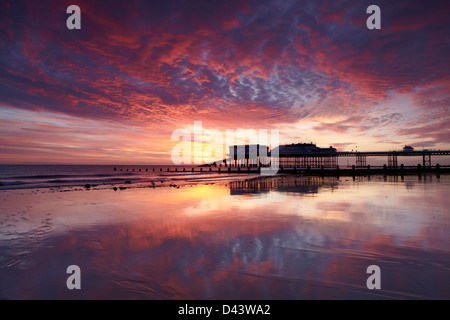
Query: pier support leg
(426, 160)
(361, 160)
(392, 161)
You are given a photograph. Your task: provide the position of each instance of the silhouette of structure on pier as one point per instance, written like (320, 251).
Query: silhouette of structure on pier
(253, 155)
(308, 155)
(304, 155)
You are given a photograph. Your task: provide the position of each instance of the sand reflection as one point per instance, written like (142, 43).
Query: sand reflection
(276, 238)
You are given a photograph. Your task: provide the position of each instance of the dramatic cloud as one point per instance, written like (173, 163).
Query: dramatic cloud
(155, 66)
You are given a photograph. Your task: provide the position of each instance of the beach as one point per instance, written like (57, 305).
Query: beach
(280, 237)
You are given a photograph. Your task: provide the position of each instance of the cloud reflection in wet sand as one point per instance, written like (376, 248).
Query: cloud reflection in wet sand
(274, 238)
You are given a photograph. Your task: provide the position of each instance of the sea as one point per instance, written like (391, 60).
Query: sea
(106, 176)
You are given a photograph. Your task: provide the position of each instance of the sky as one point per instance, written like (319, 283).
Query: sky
(114, 91)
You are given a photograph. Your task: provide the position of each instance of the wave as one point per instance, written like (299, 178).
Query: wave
(62, 176)
(11, 183)
(90, 180)
(20, 184)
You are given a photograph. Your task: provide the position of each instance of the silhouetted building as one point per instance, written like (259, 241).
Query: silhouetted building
(250, 155)
(408, 148)
(304, 155)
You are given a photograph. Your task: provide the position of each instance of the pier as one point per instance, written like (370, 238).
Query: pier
(310, 156)
(392, 156)
(337, 171)
(306, 158)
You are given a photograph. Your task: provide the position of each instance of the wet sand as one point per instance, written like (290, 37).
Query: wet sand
(286, 237)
